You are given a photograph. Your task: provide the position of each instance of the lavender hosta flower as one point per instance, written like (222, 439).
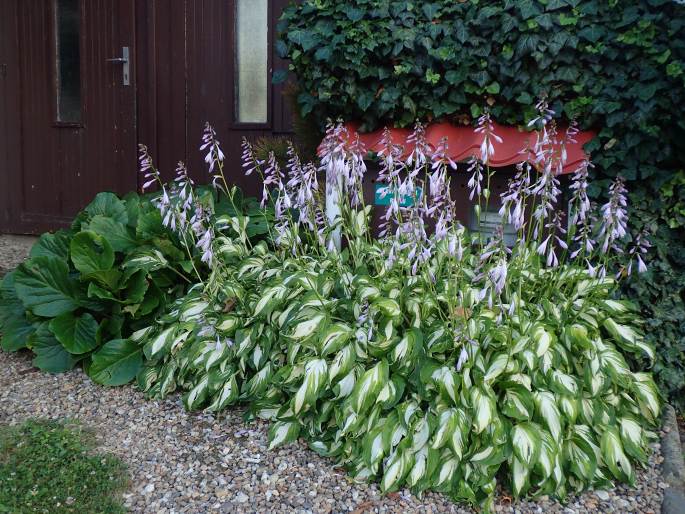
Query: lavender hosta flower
(553, 240)
(569, 138)
(249, 160)
(637, 251)
(498, 276)
(475, 183)
(391, 164)
(463, 359)
(207, 330)
(223, 343)
(579, 198)
(545, 114)
(204, 244)
(210, 143)
(614, 225)
(357, 171)
(147, 168)
(185, 189)
(513, 208)
(418, 158)
(547, 189)
(487, 129)
(273, 176)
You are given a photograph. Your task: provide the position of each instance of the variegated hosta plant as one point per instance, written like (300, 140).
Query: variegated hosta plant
(427, 357)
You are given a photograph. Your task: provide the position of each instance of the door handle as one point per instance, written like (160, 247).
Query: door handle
(126, 63)
(3, 70)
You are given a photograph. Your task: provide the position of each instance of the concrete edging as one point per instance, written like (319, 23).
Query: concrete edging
(673, 466)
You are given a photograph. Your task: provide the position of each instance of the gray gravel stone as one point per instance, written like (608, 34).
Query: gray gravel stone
(13, 250)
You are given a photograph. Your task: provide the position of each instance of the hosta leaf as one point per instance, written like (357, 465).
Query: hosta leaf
(519, 477)
(342, 363)
(334, 337)
(387, 306)
(398, 466)
(116, 362)
(518, 403)
(227, 395)
(497, 366)
(419, 470)
(615, 365)
(270, 298)
(647, 396)
(460, 436)
(314, 380)
(147, 376)
(632, 437)
(283, 432)
(193, 310)
(447, 381)
(445, 471)
(577, 335)
(563, 384)
(376, 445)
(160, 343)
(447, 425)
(628, 338)
(614, 457)
(197, 394)
(258, 383)
(77, 335)
(581, 458)
(146, 260)
(549, 413)
(484, 409)
(548, 453)
(306, 328)
(91, 252)
(542, 339)
(402, 353)
(368, 387)
(525, 440)
(45, 288)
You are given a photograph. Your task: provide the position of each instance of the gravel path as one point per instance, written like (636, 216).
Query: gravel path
(13, 250)
(194, 463)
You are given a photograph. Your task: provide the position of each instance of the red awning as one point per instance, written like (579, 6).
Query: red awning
(464, 142)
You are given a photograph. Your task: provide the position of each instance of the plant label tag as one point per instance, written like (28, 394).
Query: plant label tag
(383, 195)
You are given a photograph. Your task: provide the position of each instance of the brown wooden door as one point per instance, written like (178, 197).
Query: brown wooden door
(76, 125)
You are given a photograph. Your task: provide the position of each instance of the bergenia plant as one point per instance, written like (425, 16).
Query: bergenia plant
(417, 353)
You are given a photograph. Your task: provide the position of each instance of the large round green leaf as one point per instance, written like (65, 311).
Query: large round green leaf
(77, 335)
(108, 205)
(45, 288)
(119, 236)
(91, 253)
(50, 354)
(53, 245)
(116, 363)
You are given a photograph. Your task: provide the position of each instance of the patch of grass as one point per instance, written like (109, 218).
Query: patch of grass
(50, 467)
